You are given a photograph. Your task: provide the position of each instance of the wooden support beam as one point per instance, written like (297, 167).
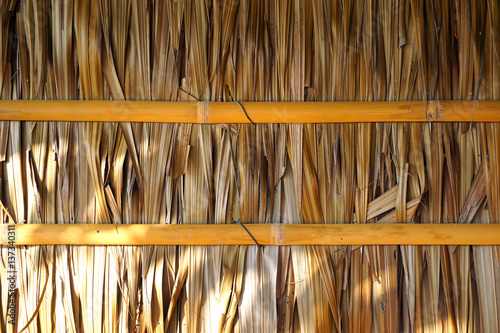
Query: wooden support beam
(259, 112)
(264, 234)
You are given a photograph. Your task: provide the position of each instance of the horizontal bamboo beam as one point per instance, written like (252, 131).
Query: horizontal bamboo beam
(264, 234)
(258, 112)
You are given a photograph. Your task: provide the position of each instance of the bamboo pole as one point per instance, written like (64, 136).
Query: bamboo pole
(264, 234)
(258, 112)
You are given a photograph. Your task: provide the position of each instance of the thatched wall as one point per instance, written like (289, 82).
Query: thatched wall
(171, 173)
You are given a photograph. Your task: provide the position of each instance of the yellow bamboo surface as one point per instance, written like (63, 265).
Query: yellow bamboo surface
(258, 112)
(264, 234)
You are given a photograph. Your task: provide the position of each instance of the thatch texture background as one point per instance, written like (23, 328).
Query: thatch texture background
(170, 173)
